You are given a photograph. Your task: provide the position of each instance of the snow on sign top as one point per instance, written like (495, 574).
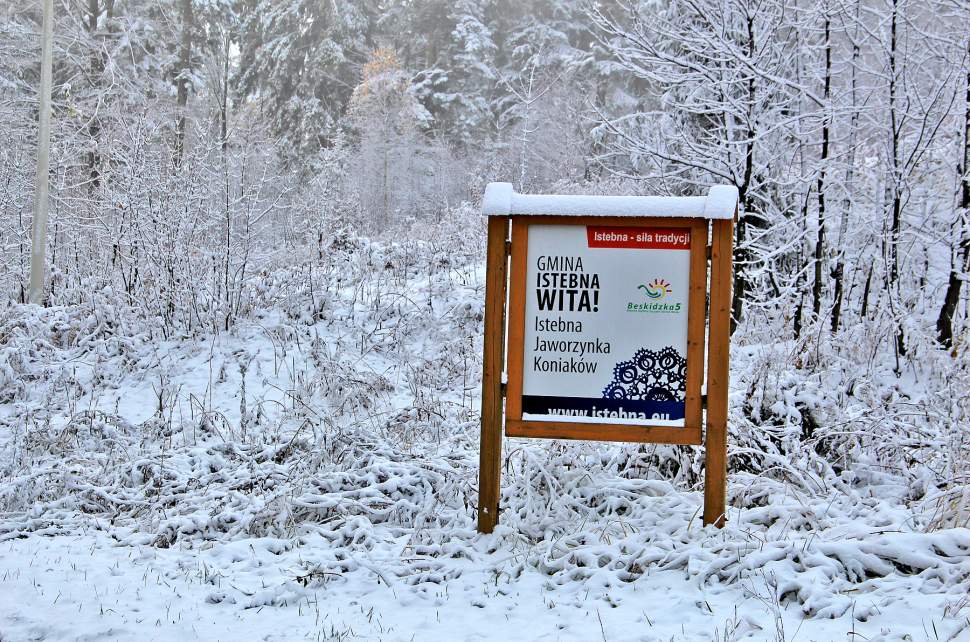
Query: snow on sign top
(501, 200)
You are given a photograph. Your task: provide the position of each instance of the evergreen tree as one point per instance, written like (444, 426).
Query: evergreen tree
(299, 62)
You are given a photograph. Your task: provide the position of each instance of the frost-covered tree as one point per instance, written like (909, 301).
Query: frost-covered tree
(299, 62)
(388, 121)
(914, 86)
(721, 111)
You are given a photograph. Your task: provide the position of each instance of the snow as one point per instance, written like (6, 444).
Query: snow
(85, 586)
(502, 200)
(312, 474)
(722, 202)
(234, 418)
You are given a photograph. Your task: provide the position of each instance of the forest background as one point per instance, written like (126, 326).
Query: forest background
(197, 142)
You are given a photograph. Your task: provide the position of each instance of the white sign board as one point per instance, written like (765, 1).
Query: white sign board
(606, 324)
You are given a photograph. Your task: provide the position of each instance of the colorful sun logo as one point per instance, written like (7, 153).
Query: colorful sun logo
(656, 289)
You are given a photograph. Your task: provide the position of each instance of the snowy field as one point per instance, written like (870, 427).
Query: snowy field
(311, 474)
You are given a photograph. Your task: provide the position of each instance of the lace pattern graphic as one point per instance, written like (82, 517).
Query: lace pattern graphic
(651, 375)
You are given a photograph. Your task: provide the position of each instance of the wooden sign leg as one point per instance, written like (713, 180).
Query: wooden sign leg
(718, 373)
(490, 455)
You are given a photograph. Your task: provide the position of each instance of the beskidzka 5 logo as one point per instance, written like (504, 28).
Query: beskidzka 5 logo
(654, 291)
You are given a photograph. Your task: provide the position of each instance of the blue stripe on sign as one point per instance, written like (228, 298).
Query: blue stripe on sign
(594, 407)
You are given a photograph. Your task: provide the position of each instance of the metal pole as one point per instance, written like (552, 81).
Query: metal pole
(38, 247)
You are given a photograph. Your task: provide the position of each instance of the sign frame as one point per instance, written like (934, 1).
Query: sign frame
(509, 216)
(691, 431)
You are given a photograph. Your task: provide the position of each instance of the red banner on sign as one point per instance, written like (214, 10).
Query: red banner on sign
(643, 238)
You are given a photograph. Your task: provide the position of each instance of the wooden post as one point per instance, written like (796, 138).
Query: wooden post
(718, 373)
(493, 361)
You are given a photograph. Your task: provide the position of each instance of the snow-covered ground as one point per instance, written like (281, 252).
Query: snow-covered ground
(87, 586)
(311, 474)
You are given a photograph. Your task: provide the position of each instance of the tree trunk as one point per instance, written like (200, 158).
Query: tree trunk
(820, 189)
(838, 273)
(97, 69)
(741, 254)
(224, 99)
(960, 264)
(182, 83)
(895, 206)
(864, 312)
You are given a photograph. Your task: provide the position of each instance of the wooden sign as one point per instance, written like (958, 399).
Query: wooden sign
(606, 305)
